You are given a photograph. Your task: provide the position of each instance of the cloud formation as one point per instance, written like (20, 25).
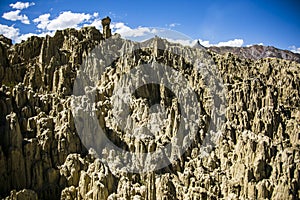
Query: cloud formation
(15, 15)
(173, 25)
(42, 21)
(190, 43)
(295, 49)
(229, 43)
(96, 22)
(65, 19)
(9, 31)
(28, 35)
(249, 45)
(126, 31)
(14, 33)
(21, 5)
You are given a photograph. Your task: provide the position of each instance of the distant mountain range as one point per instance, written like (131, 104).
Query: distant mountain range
(256, 52)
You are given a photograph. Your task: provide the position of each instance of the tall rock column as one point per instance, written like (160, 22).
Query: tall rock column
(106, 29)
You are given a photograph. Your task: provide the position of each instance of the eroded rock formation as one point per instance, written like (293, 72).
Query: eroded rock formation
(42, 156)
(106, 27)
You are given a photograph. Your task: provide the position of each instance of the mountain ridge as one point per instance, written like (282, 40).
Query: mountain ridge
(258, 52)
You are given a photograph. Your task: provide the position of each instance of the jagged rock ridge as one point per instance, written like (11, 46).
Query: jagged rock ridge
(41, 155)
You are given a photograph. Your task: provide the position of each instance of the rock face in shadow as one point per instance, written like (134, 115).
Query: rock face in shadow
(257, 155)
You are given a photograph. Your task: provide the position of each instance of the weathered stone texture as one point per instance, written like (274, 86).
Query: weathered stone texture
(41, 154)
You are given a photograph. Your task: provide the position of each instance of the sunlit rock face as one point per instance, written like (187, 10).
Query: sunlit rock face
(43, 149)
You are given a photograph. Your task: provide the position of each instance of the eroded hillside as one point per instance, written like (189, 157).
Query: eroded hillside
(256, 155)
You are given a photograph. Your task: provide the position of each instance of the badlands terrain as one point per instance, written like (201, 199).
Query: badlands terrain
(239, 136)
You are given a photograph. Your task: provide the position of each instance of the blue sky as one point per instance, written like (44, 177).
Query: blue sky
(213, 22)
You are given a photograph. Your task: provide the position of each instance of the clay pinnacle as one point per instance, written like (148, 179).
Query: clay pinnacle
(106, 29)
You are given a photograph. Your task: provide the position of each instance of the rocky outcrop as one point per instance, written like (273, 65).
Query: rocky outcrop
(22, 195)
(42, 156)
(106, 27)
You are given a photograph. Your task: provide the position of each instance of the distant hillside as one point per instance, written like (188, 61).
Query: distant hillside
(256, 52)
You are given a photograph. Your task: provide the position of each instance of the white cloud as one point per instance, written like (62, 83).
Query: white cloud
(126, 31)
(230, 43)
(9, 31)
(15, 15)
(45, 25)
(66, 19)
(249, 45)
(205, 43)
(23, 37)
(97, 23)
(295, 49)
(42, 21)
(28, 35)
(183, 42)
(173, 25)
(14, 33)
(96, 14)
(21, 5)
